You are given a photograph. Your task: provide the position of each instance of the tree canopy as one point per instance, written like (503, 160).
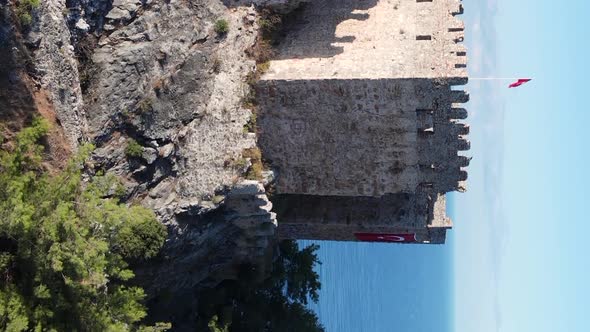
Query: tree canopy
(65, 245)
(276, 305)
(66, 242)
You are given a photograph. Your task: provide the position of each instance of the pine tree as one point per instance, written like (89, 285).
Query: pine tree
(65, 245)
(276, 304)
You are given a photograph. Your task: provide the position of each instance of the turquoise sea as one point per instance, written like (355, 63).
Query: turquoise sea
(385, 287)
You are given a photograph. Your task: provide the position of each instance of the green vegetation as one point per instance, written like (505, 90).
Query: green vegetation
(252, 153)
(263, 67)
(65, 246)
(221, 27)
(262, 52)
(133, 149)
(145, 105)
(216, 66)
(250, 126)
(255, 170)
(158, 327)
(270, 23)
(214, 325)
(249, 100)
(239, 163)
(24, 9)
(275, 304)
(217, 199)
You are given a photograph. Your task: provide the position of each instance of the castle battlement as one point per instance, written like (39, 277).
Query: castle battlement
(360, 117)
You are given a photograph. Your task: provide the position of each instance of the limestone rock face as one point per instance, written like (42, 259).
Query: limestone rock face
(168, 80)
(157, 74)
(243, 230)
(173, 84)
(56, 65)
(91, 12)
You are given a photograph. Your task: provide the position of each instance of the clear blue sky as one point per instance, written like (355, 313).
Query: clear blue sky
(520, 237)
(516, 260)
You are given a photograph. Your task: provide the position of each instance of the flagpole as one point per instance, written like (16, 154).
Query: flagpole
(491, 78)
(519, 81)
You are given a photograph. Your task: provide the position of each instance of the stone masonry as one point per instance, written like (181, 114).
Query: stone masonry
(359, 117)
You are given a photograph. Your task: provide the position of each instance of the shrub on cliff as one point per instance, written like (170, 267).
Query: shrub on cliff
(255, 170)
(133, 149)
(24, 9)
(64, 247)
(221, 27)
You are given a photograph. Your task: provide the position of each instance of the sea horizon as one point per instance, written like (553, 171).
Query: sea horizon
(385, 287)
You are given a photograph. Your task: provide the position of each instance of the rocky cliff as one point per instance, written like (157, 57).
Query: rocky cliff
(160, 92)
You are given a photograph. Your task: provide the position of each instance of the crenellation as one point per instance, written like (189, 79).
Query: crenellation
(456, 80)
(463, 161)
(460, 129)
(463, 145)
(457, 113)
(460, 97)
(459, 10)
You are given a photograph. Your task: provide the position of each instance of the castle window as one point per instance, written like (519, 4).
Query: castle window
(426, 168)
(461, 53)
(424, 111)
(424, 37)
(423, 0)
(425, 133)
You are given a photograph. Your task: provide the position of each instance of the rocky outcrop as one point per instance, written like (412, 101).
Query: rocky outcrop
(57, 67)
(87, 16)
(158, 77)
(212, 243)
(173, 84)
(213, 246)
(163, 77)
(166, 79)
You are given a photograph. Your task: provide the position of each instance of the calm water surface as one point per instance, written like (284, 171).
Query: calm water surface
(380, 287)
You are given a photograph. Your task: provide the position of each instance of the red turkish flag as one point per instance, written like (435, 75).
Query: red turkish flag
(520, 82)
(384, 237)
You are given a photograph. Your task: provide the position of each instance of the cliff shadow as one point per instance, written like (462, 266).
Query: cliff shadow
(17, 105)
(310, 30)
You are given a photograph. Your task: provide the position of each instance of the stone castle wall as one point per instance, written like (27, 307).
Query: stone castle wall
(360, 117)
(362, 137)
(339, 217)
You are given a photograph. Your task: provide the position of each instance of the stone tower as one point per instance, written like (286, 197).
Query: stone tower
(359, 117)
